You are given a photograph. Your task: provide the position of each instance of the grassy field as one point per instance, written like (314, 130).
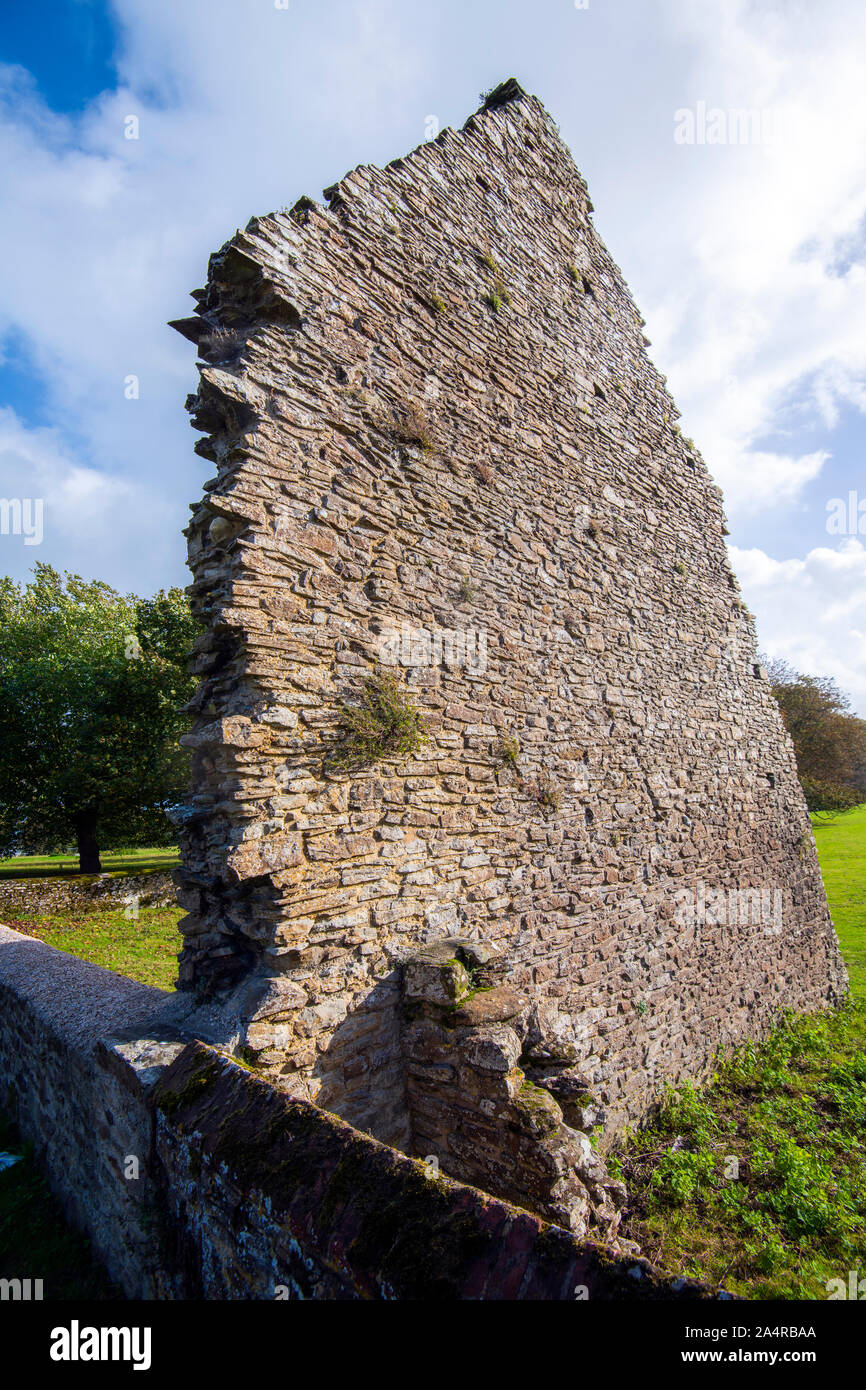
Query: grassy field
(757, 1181)
(143, 948)
(128, 861)
(842, 852)
(35, 1242)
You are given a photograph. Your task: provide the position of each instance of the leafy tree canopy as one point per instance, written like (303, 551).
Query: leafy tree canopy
(92, 686)
(829, 741)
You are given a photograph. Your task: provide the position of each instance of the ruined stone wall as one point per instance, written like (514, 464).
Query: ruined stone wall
(22, 897)
(438, 439)
(193, 1178)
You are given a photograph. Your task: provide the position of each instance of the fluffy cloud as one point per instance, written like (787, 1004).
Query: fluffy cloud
(812, 612)
(80, 511)
(747, 260)
(757, 309)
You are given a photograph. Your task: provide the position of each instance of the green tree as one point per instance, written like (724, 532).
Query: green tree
(829, 741)
(92, 686)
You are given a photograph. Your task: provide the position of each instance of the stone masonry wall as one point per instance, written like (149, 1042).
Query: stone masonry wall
(91, 893)
(477, 1114)
(240, 1192)
(439, 441)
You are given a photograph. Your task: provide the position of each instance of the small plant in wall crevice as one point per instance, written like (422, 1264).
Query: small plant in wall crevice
(546, 791)
(407, 422)
(508, 751)
(498, 296)
(386, 724)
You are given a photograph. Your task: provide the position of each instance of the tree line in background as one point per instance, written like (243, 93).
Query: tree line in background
(93, 685)
(92, 689)
(829, 741)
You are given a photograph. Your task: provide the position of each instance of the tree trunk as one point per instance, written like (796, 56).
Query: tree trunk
(88, 846)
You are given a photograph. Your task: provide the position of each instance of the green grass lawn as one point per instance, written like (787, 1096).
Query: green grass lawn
(127, 861)
(842, 852)
(35, 1242)
(757, 1181)
(143, 948)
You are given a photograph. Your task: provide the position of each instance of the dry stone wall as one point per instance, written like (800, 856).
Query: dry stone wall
(89, 893)
(440, 448)
(193, 1178)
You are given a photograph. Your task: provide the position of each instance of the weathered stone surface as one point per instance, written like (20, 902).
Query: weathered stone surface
(488, 1006)
(473, 1109)
(258, 858)
(194, 1178)
(432, 414)
(436, 975)
(87, 893)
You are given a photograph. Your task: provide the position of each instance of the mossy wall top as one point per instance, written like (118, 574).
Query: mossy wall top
(439, 442)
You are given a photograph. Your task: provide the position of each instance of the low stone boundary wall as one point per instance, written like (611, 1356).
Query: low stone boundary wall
(194, 1177)
(87, 894)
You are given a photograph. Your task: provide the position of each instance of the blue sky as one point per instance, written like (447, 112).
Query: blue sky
(745, 253)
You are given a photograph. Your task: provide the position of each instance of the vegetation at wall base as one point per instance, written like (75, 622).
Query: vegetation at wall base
(757, 1182)
(792, 1112)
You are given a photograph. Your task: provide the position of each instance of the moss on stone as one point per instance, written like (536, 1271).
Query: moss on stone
(537, 1108)
(170, 1102)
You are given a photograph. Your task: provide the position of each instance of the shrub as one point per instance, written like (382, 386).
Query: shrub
(508, 751)
(384, 725)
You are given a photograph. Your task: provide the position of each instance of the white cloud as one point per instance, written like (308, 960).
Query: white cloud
(760, 298)
(772, 480)
(83, 511)
(811, 612)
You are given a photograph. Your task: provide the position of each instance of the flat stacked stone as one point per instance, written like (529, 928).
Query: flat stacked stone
(430, 408)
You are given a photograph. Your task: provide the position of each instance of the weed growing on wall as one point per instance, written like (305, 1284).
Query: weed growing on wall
(386, 724)
(508, 751)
